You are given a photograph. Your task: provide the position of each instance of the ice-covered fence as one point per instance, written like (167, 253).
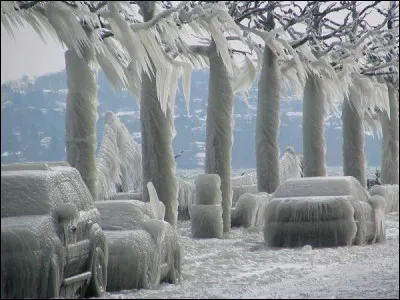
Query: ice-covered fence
(245, 179)
(206, 213)
(239, 190)
(186, 195)
(289, 167)
(126, 196)
(323, 211)
(120, 158)
(390, 192)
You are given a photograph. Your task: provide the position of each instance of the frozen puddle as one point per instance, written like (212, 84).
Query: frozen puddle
(241, 266)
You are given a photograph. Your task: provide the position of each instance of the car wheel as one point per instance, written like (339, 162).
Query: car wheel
(98, 282)
(53, 288)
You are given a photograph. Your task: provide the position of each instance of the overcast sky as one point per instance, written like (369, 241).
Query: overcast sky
(28, 55)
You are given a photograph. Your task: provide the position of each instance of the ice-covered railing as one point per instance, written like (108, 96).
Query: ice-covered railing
(289, 167)
(119, 159)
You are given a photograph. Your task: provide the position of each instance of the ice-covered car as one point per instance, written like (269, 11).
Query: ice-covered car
(51, 242)
(323, 211)
(143, 251)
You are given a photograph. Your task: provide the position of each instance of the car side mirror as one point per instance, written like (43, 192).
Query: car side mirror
(66, 212)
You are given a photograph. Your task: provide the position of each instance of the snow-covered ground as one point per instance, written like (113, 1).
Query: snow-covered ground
(241, 266)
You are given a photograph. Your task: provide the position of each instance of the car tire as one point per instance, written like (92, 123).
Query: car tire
(53, 288)
(98, 282)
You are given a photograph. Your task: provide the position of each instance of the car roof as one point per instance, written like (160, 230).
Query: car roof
(25, 192)
(322, 186)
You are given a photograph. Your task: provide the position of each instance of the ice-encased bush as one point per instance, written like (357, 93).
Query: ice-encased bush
(208, 190)
(206, 221)
(390, 192)
(239, 190)
(245, 212)
(316, 221)
(186, 196)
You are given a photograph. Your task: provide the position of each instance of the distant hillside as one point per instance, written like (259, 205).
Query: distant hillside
(33, 116)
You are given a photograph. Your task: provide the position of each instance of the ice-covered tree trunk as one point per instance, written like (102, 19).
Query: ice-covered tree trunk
(158, 163)
(314, 114)
(219, 130)
(158, 131)
(390, 139)
(81, 117)
(354, 163)
(267, 131)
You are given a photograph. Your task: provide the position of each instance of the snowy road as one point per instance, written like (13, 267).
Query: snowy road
(240, 266)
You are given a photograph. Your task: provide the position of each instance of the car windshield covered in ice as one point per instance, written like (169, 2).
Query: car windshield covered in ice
(51, 242)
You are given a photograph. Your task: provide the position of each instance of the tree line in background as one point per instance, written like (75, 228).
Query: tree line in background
(329, 52)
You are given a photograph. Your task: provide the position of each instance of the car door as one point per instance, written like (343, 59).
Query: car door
(77, 244)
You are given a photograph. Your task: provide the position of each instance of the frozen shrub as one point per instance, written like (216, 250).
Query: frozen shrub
(239, 190)
(186, 195)
(208, 190)
(245, 212)
(390, 192)
(206, 221)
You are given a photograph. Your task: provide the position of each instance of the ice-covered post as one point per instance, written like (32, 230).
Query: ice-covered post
(219, 130)
(267, 128)
(158, 131)
(354, 163)
(390, 138)
(390, 126)
(81, 116)
(314, 114)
